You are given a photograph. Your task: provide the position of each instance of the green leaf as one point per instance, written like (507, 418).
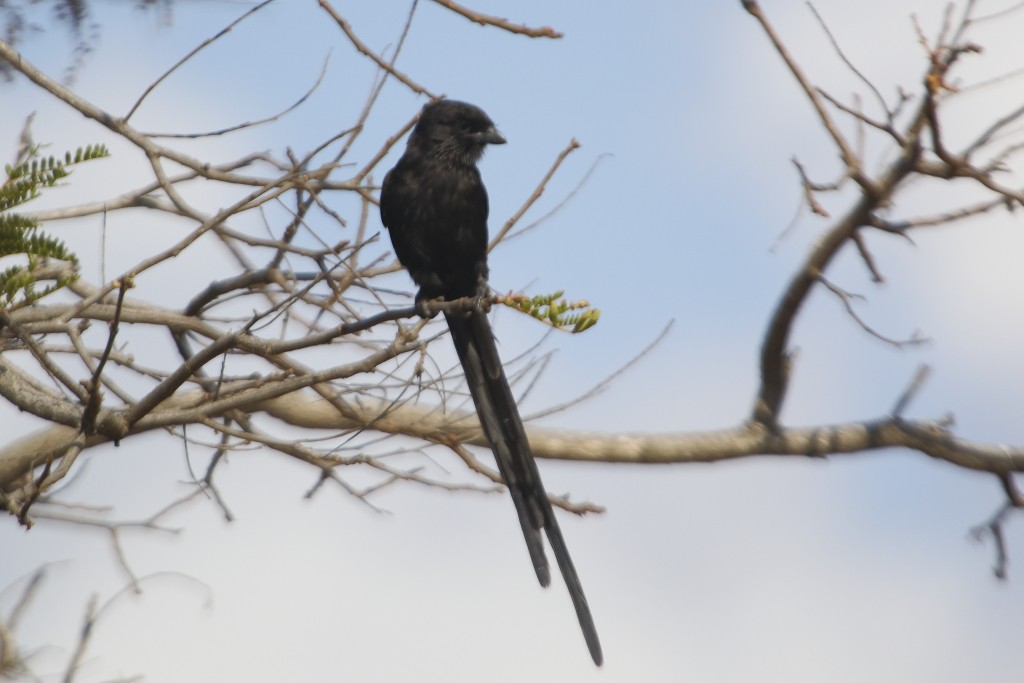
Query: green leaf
(20, 234)
(569, 316)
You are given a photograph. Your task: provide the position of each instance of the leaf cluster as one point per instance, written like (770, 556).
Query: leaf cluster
(20, 235)
(569, 316)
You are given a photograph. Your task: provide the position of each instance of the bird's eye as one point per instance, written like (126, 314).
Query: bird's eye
(462, 126)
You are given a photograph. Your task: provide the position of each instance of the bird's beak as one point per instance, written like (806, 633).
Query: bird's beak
(492, 136)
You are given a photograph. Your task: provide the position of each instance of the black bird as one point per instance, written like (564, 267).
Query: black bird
(435, 206)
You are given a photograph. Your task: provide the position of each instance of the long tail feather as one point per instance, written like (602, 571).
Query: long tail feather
(499, 418)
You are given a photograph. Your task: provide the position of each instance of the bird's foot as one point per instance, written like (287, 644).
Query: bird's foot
(423, 308)
(481, 303)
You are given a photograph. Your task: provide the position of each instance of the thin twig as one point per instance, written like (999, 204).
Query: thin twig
(258, 122)
(564, 201)
(361, 47)
(152, 86)
(847, 299)
(83, 640)
(537, 192)
(920, 376)
(848, 156)
(846, 60)
(498, 22)
(608, 380)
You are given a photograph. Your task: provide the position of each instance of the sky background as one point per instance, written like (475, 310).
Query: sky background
(856, 568)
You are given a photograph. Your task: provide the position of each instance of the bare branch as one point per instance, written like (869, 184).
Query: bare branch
(152, 86)
(487, 20)
(810, 188)
(847, 300)
(258, 122)
(911, 391)
(848, 156)
(874, 194)
(856, 72)
(538, 191)
(564, 201)
(359, 45)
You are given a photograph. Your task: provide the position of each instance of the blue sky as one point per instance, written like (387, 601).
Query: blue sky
(852, 569)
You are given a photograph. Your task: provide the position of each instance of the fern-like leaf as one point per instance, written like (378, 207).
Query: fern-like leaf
(569, 316)
(16, 221)
(20, 235)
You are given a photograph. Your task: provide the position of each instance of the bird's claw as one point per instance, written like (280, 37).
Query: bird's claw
(423, 308)
(481, 303)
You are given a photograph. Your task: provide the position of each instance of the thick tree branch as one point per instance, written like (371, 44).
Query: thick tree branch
(749, 440)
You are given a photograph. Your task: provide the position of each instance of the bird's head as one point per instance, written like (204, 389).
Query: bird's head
(455, 130)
